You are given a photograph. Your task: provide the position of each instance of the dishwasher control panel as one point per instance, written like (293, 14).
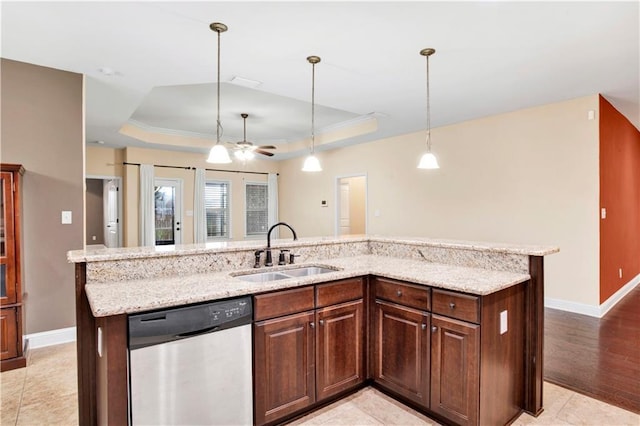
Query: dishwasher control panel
(233, 309)
(151, 328)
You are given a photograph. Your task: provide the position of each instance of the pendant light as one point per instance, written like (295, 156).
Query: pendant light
(428, 160)
(219, 153)
(311, 163)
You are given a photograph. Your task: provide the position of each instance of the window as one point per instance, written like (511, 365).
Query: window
(257, 220)
(216, 205)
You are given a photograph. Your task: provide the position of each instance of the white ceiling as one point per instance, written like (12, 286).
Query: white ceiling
(492, 57)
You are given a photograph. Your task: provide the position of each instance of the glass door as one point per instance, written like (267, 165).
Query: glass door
(168, 201)
(7, 241)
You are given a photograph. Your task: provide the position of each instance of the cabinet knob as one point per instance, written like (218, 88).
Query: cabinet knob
(399, 293)
(312, 324)
(434, 328)
(321, 322)
(424, 326)
(452, 305)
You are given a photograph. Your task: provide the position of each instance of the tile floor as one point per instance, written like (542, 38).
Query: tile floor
(44, 393)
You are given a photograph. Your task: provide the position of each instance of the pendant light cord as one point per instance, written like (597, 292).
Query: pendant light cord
(313, 103)
(218, 89)
(428, 110)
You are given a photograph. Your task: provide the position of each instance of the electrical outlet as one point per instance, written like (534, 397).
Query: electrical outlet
(503, 322)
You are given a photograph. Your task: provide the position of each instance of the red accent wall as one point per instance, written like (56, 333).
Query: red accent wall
(620, 195)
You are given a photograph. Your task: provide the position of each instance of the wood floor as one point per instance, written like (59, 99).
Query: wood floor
(597, 357)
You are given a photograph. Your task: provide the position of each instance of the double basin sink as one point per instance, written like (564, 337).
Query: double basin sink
(303, 271)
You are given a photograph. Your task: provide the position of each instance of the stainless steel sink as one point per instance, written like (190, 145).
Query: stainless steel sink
(303, 271)
(263, 277)
(309, 270)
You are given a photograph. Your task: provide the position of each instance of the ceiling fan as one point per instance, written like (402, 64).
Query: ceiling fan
(245, 150)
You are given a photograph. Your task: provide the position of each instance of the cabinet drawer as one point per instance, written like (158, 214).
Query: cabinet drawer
(279, 303)
(456, 305)
(339, 291)
(415, 296)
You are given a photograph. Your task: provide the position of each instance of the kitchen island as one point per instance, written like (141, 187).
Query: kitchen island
(111, 284)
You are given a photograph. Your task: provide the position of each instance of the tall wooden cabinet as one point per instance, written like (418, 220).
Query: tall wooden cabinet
(11, 350)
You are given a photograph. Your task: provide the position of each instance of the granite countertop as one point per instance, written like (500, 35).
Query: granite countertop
(98, 255)
(113, 298)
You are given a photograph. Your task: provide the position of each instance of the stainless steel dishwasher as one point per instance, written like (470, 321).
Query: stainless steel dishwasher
(192, 365)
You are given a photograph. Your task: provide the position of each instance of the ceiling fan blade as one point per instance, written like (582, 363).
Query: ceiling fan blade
(267, 153)
(267, 147)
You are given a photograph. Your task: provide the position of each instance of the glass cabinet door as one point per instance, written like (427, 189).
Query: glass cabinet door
(7, 241)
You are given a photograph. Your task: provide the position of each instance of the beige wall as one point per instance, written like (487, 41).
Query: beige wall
(43, 129)
(98, 160)
(529, 176)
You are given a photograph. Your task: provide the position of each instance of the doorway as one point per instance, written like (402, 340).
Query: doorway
(103, 206)
(168, 205)
(351, 205)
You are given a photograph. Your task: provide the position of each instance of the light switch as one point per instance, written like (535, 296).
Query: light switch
(66, 217)
(603, 213)
(503, 322)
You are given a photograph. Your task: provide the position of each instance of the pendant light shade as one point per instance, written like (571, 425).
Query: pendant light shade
(311, 163)
(428, 160)
(219, 153)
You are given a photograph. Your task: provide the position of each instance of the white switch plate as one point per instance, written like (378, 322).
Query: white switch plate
(603, 213)
(66, 217)
(503, 322)
(591, 115)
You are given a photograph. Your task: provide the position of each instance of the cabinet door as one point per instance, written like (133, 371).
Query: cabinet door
(8, 334)
(455, 377)
(283, 366)
(339, 348)
(402, 351)
(7, 241)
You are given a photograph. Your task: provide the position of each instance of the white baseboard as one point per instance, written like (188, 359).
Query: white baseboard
(576, 308)
(51, 337)
(591, 310)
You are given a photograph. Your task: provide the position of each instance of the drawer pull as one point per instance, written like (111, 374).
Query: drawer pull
(452, 305)
(399, 293)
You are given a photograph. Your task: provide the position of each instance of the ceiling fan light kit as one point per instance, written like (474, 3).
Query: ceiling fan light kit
(428, 160)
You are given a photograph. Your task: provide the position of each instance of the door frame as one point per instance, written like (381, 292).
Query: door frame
(120, 207)
(336, 224)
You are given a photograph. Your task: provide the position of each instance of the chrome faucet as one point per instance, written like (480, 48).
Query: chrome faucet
(268, 261)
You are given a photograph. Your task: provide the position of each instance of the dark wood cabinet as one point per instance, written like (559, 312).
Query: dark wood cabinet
(284, 366)
(12, 351)
(455, 374)
(339, 348)
(401, 351)
(304, 358)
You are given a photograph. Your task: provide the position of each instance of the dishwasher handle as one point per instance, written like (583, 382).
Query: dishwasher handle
(198, 332)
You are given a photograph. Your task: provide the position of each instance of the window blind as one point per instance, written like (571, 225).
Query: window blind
(257, 208)
(216, 203)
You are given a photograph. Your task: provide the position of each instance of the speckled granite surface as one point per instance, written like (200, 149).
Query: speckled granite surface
(146, 294)
(93, 255)
(137, 279)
